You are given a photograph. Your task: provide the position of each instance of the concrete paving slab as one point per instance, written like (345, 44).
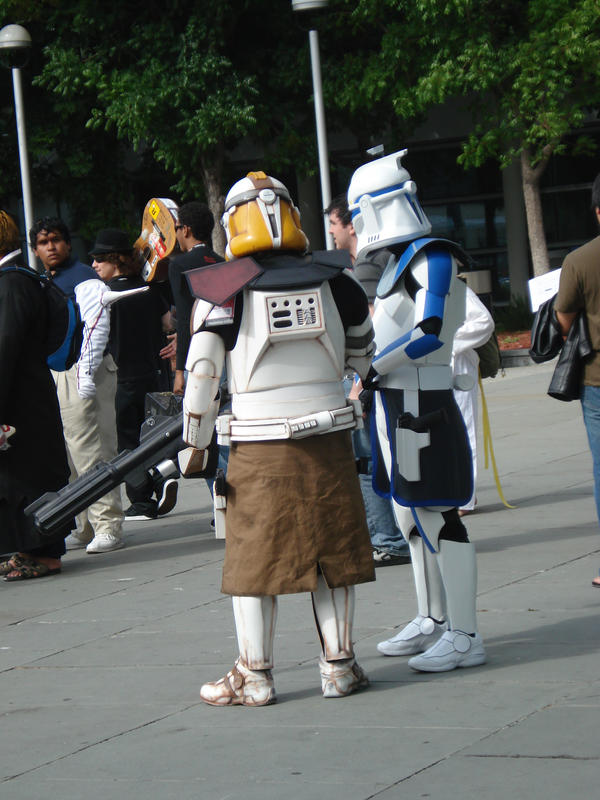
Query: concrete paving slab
(559, 731)
(493, 778)
(323, 750)
(101, 666)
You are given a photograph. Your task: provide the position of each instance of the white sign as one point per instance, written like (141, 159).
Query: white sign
(543, 288)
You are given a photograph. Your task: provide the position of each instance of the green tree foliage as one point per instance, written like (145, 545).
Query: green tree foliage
(528, 70)
(181, 82)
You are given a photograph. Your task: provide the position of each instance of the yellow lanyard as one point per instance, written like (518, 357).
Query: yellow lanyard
(488, 446)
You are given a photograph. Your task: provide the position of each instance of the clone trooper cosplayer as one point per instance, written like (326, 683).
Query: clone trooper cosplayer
(287, 326)
(421, 455)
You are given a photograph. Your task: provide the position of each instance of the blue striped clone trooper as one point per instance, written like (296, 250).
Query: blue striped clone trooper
(421, 455)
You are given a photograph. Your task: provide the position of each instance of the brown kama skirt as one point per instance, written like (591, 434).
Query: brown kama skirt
(294, 506)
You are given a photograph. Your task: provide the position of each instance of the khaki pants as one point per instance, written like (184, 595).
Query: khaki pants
(91, 435)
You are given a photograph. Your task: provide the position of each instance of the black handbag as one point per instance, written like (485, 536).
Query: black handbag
(566, 380)
(546, 335)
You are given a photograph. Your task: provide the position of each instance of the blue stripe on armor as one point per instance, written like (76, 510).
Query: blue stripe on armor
(391, 274)
(387, 190)
(423, 346)
(439, 272)
(434, 306)
(394, 345)
(415, 209)
(422, 533)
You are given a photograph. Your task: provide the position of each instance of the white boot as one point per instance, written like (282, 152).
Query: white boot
(427, 627)
(241, 687)
(461, 646)
(249, 682)
(417, 636)
(334, 612)
(341, 678)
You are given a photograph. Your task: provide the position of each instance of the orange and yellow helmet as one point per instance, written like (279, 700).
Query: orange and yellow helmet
(259, 215)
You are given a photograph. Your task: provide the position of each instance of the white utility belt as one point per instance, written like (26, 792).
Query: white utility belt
(230, 429)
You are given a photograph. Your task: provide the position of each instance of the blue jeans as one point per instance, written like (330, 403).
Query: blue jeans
(384, 533)
(590, 404)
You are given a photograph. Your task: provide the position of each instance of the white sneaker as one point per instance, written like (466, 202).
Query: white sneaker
(417, 636)
(341, 678)
(76, 542)
(104, 543)
(454, 649)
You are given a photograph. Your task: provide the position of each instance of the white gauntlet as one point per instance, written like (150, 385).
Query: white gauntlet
(205, 361)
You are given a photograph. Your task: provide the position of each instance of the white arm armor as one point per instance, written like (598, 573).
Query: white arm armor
(96, 320)
(205, 361)
(477, 327)
(423, 323)
(360, 347)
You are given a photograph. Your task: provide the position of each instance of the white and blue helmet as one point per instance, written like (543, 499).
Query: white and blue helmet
(384, 206)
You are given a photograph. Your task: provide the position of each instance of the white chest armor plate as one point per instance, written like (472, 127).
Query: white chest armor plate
(289, 356)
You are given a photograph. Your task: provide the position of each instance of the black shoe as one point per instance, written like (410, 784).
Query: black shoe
(168, 497)
(383, 559)
(139, 511)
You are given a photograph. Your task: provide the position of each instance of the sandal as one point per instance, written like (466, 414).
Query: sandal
(28, 569)
(14, 562)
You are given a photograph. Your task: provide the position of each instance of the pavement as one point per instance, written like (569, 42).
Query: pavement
(100, 666)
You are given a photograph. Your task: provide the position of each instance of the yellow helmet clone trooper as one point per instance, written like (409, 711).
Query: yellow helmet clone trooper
(259, 215)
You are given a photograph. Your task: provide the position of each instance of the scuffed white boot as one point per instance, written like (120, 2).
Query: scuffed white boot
(415, 637)
(241, 687)
(341, 678)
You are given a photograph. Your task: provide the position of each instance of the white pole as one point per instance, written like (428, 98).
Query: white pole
(315, 62)
(23, 161)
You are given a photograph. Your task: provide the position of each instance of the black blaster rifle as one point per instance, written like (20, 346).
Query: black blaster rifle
(160, 442)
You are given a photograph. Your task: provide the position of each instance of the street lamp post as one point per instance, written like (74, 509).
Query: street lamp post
(15, 45)
(315, 62)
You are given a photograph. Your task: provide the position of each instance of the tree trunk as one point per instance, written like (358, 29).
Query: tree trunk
(212, 170)
(533, 209)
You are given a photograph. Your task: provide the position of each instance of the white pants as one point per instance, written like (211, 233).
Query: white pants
(89, 426)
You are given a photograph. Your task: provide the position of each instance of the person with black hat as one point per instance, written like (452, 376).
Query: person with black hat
(137, 326)
(86, 392)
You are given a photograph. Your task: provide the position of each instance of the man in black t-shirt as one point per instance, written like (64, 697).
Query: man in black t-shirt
(193, 230)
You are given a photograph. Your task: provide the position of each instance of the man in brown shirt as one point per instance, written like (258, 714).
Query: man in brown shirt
(579, 291)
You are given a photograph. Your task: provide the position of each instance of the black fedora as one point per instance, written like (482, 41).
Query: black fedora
(111, 240)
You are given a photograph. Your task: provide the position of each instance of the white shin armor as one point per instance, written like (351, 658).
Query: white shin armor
(431, 599)
(458, 567)
(334, 613)
(255, 619)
